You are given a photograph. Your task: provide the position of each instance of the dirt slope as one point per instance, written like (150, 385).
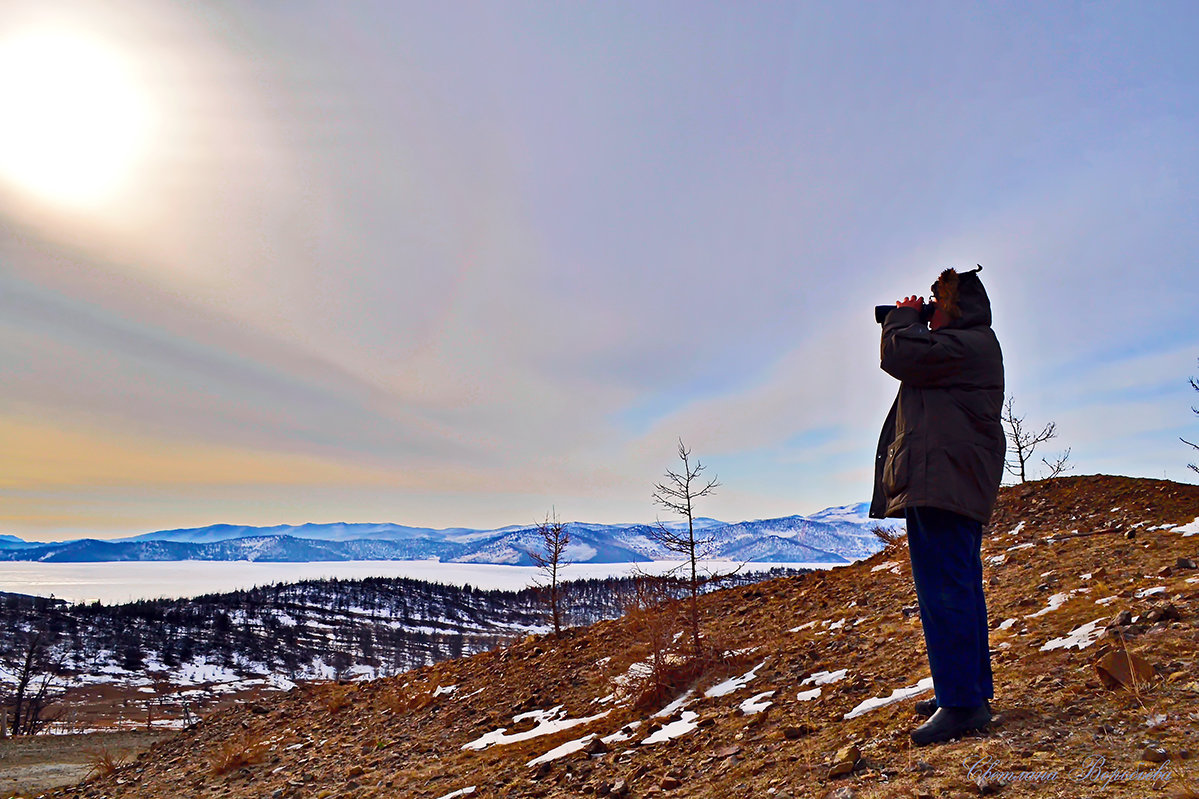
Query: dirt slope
(1059, 555)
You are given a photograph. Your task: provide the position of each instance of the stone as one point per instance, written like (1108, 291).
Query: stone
(596, 747)
(844, 792)
(1154, 754)
(669, 783)
(843, 762)
(1184, 563)
(619, 788)
(1123, 669)
(987, 787)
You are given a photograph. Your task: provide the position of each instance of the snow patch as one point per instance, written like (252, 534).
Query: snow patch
(623, 734)
(548, 722)
(460, 792)
(679, 703)
(1007, 624)
(1056, 601)
(808, 696)
(891, 566)
(825, 677)
(568, 748)
(444, 689)
(1144, 592)
(1189, 529)
(1078, 638)
(757, 703)
(684, 725)
(733, 683)
(898, 695)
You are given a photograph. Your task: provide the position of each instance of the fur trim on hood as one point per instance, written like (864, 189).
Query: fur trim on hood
(963, 298)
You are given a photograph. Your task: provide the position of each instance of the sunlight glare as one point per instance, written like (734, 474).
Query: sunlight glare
(74, 119)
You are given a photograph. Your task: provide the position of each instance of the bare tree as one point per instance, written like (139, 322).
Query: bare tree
(1022, 442)
(677, 494)
(1191, 466)
(1059, 465)
(33, 666)
(555, 538)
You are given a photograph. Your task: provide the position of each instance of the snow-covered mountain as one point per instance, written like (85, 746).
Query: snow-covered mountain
(834, 535)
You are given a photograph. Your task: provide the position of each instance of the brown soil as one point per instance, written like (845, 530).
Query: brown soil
(1088, 538)
(30, 765)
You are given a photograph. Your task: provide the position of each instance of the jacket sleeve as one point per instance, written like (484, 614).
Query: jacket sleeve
(914, 355)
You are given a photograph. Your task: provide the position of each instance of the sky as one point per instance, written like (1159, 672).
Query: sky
(459, 264)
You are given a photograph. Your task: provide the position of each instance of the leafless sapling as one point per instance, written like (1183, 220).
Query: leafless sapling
(677, 494)
(551, 559)
(1022, 442)
(34, 666)
(1193, 467)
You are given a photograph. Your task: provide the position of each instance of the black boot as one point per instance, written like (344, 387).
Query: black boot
(951, 722)
(927, 707)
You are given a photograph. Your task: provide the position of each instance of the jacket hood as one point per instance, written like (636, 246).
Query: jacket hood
(972, 301)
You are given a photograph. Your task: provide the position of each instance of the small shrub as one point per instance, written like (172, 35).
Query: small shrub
(338, 697)
(105, 763)
(237, 753)
(891, 537)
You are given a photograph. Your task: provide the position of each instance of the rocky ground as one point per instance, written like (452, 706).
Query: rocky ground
(1092, 592)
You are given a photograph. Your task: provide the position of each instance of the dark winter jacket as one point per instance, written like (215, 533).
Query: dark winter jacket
(942, 445)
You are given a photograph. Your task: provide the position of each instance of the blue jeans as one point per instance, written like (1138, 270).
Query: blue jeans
(945, 550)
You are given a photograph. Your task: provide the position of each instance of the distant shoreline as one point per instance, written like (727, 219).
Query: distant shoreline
(114, 582)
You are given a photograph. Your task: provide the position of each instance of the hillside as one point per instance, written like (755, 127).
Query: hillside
(550, 718)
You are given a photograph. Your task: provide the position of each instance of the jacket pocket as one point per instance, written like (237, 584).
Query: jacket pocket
(896, 469)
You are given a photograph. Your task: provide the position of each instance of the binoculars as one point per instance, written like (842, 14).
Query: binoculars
(926, 312)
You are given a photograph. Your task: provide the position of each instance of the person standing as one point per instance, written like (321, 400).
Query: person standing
(939, 464)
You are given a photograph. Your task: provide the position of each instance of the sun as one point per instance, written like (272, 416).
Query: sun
(73, 119)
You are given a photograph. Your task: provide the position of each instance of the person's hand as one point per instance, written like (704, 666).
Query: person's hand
(910, 302)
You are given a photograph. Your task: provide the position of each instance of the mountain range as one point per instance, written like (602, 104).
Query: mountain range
(834, 535)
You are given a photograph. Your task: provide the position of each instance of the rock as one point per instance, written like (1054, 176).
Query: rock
(596, 747)
(987, 787)
(843, 762)
(669, 783)
(1165, 571)
(1130, 535)
(1154, 754)
(1184, 563)
(844, 792)
(795, 732)
(1123, 669)
(728, 751)
(619, 788)
(1121, 619)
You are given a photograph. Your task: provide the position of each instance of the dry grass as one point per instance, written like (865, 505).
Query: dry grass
(399, 702)
(338, 697)
(105, 763)
(242, 751)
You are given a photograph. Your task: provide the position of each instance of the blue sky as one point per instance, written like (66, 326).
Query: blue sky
(452, 264)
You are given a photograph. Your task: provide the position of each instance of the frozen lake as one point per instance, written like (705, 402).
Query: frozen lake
(117, 582)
